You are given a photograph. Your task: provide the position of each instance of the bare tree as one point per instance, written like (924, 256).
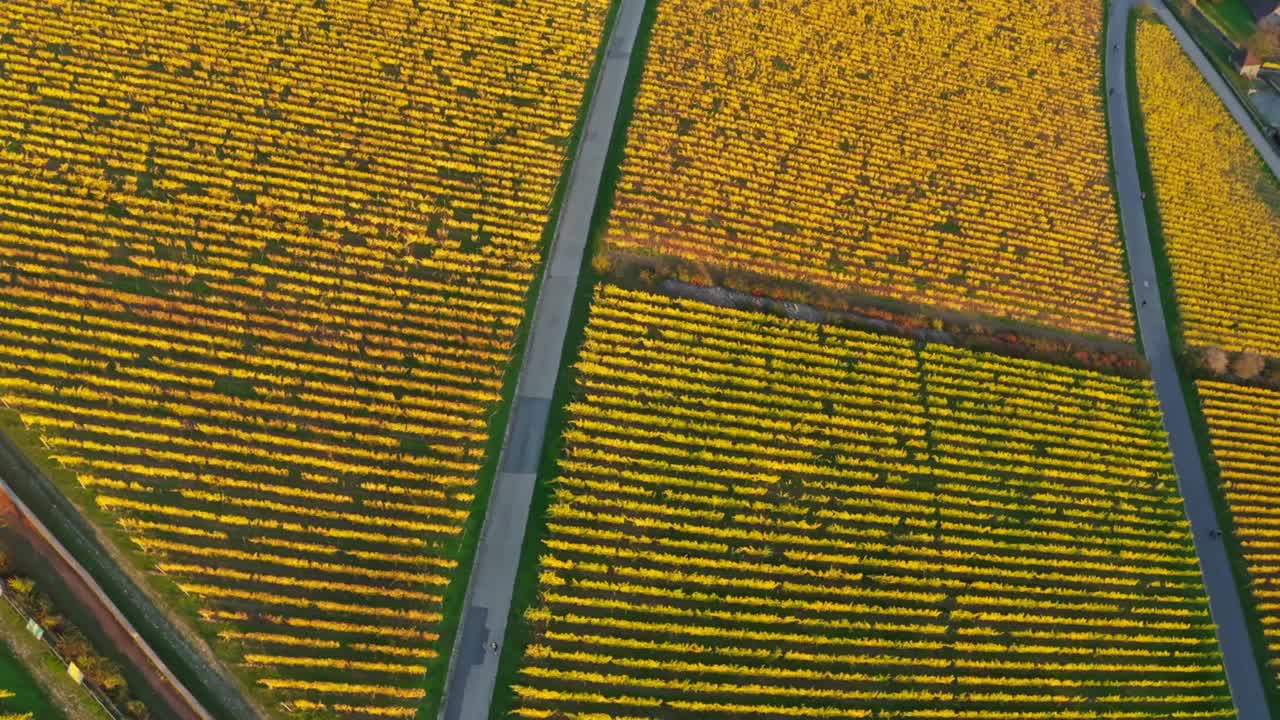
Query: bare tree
(1215, 360)
(1265, 41)
(1248, 365)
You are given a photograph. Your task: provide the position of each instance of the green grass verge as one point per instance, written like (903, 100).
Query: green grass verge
(1191, 396)
(1218, 52)
(524, 596)
(455, 594)
(1155, 233)
(1232, 16)
(28, 693)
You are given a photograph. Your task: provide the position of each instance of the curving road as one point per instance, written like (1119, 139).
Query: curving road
(473, 664)
(1243, 674)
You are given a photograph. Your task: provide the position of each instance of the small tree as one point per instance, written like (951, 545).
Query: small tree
(1264, 42)
(1214, 360)
(1248, 365)
(76, 647)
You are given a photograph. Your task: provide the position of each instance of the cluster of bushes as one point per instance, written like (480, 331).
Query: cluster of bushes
(753, 291)
(1246, 367)
(99, 671)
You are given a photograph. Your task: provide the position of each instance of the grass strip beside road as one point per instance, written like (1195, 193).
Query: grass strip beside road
(519, 633)
(1232, 16)
(24, 659)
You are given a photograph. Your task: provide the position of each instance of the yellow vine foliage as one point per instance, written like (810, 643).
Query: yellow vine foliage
(951, 154)
(1219, 205)
(762, 517)
(261, 271)
(1244, 432)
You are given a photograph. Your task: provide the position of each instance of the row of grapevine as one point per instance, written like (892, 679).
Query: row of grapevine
(1219, 205)
(261, 271)
(760, 517)
(951, 154)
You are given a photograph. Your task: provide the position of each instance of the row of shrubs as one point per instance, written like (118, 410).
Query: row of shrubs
(1247, 367)
(70, 642)
(748, 290)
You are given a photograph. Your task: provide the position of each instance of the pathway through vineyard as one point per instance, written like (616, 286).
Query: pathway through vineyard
(473, 664)
(1243, 673)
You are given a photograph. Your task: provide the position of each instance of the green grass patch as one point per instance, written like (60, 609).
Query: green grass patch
(17, 679)
(1232, 16)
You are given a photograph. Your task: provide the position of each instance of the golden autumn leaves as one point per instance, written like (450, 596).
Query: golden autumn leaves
(1219, 205)
(952, 155)
(912, 531)
(260, 284)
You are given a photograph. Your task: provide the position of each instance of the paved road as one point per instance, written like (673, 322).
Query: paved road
(1267, 101)
(473, 666)
(178, 702)
(1242, 670)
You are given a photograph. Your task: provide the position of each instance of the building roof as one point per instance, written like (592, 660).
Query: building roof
(1262, 8)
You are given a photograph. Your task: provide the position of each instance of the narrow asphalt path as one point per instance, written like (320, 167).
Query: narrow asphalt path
(1243, 674)
(178, 701)
(473, 665)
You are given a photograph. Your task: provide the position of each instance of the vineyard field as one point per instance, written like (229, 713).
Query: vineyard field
(1219, 206)
(1244, 433)
(951, 155)
(762, 517)
(262, 271)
